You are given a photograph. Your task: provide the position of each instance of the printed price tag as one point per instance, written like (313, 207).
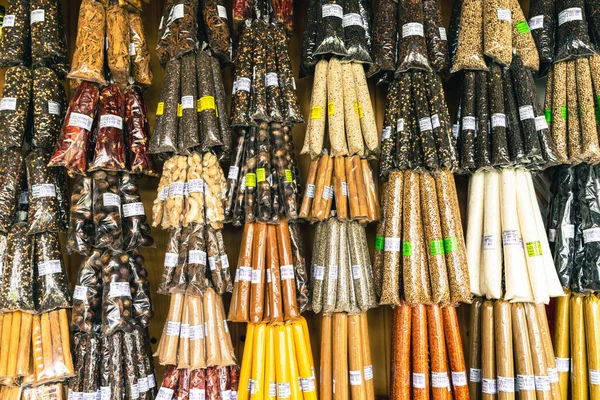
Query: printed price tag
(439, 379)
(412, 29)
(475, 375)
(552, 235)
(511, 238)
(111, 200)
(38, 16)
(541, 123)
(526, 112)
(283, 389)
(111, 121)
(355, 378)
(542, 383)
(504, 15)
(386, 133)
(595, 377)
(352, 19)
(80, 293)
(562, 364)
(151, 381)
(81, 121)
(368, 370)
(9, 21)
(245, 274)
(400, 125)
(506, 385)
(525, 382)
(315, 112)
(8, 104)
(197, 394)
(392, 244)
(333, 272)
(43, 190)
(459, 378)
(196, 332)
(184, 333)
(570, 14)
(418, 380)
(443, 34)
(212, 263)
(187, 102)
(568, 231)
(171, 260)
(177, 12)
(173, 328)
(498, 120)
(489, 386)
(222, 11)
(176, 189)
(54, 108)
(435, 121)
(133, 209)
(49, 267)
(425, 124)
(307, 384)
(310, 191)
(233, 172)
(489, 242)
(455, 130)
(356, 272)
(119, 289)
(197, 257)
(536, 22)
(332, 10)
(553, 375)
(345, 189)
(591, 235)
(468, 123)
(134, 391)
(160, 108)
(287, 272)
(271, 79)
(243, 84)
(164, 394)
(319, 272)
(143, 384)
(131, 49)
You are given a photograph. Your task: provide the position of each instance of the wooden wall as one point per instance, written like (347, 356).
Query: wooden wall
(380, 318)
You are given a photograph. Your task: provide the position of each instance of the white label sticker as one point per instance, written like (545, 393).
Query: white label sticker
(319, 272)
(511, 238)
(224, 261)
(243, 84)
(475, 375)
(355, 378)
(570, 14)
(196, 186)
(111, 200)
(8, 103)
(54, 108)
(504, 15)
(164, 394)
(38, 16)
(197, 332)
(392, 244)
(591, 235)
(506, 384)
(197, 257)
(525, 382)
(245, 274)
(356, 272)
(307, 384)
(151, 381)
(345, 189)
(80, 293)
(553, 375)
(455, 130)
(526, 112)
(400, 125)
(233, 172)
(134, 391)
(222, 11)
(133, 209)
(43, 190)
(425, 124)
(271, 79)
(562, 364)
(332, 10)
(119, 289)
(412, 29)
(468, 123)
(459, 378)
(9, 21)
(197, 394)
(287, 272)
(352, 19)
(386, 133)
(489, 242)
(173, 328)
(212, 263)
(184, 332)
(24, 198)
(418, 380)
(283, 389)
(332, 272)
(536, 22)
(435, 121)
(143, 384)
(176, 189)
(49, 267)
(368, 371)
(131, 49)
(187, 102)
(177, 12)
(488, 386)
(568, 231)
(552, 235)
(105, 393)
(272, 389)
(595, 377)
(111, 121)
(256, 277)
(443, 34)
(81, 121)
(541, 123)
(226, 395)
(171, 260)
(310, 191)
(439, 379)
(498, 120)
(164, 193)
(542, 383)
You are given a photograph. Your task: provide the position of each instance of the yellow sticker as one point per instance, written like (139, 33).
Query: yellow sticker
(160, 109)
(250, 180)
(260, 175)
(361, 115)
(534, 248)
(179, 110)
(288, 175)
(330, 108)
(315, 112)
(205, 103)
(356, 108)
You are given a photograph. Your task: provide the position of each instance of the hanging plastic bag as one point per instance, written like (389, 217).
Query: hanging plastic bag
(17, 290)
(52, 284)
(221, 110)
(355, 36)
(435, 36)
(88, 60)
(468, 125)
(136, 230)
(14, 106)
(522, 41)
(541, 23)
(109, 152)
(178, 30)
(412, 52)
(107, 211)
(385, 37)
(572, 36)
(12, 173)
(87, 294)
(81, 224)
(62, 197)
(289, 100)
(71, 148)
(453, 29)
(498, 118)
(171, 261)
(138, 133)
(49, 102)
(469, 52)
(116, 294)
(309, 39)
(138, 50)
(15, 40)
(330, 34)
(187, 135)
(118, 41)
(564, 235)
(241, 97)
(513, 128)
(164, 137)
(140, 287)
(206, 106)
(217, 29)
(43, 213)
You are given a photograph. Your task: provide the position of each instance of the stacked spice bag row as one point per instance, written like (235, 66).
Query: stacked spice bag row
(212, 383)
(277, 362)
(113, 32)
(33, 34)
(427, 354)
(506, 239)
(576, 344)
(510, 351)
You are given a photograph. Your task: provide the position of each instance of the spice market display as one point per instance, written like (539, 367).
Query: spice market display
(387, 103)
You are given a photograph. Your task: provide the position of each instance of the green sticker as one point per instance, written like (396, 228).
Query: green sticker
(548, 115)
(598, 114)
(251, 180)
(436, 247)
(534, 249)
(450, 244)
(563, 112)
(522, 27)
(260, 175)
(379, 242)
(406, 249)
